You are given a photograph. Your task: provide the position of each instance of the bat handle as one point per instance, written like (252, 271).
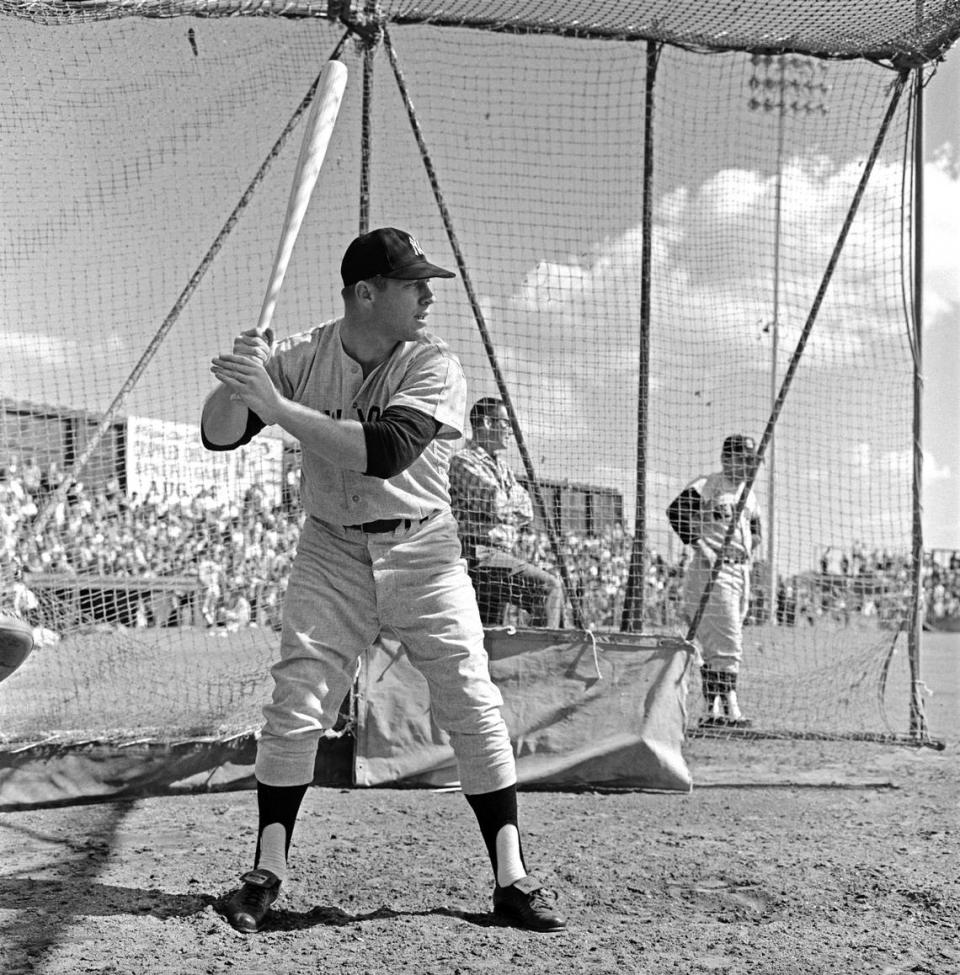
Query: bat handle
(266, 313)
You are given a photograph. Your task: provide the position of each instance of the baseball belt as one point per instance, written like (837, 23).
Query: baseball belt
(385, 525)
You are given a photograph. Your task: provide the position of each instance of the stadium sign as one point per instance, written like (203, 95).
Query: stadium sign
(169, 458)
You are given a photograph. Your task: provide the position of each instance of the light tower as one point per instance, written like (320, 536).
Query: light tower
(781, 85)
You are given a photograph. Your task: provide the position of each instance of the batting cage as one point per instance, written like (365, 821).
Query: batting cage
(670, 224)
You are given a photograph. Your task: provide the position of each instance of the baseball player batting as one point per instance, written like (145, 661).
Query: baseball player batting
(701, 515)
(376, 402)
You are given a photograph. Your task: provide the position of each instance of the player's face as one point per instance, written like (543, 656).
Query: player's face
(738, 466)
(403, 307)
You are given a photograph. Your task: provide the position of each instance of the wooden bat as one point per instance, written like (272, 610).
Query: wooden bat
(320, 122)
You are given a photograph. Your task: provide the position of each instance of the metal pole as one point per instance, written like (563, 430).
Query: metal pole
(366, 136)
(633, 603)
(775, 327)
(918, 723)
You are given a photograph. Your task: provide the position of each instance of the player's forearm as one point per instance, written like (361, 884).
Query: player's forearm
(224, 419)
(340, 442)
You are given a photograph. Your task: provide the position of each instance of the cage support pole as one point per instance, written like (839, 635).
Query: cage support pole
(898, 88)
(634, 595)
(59, 496)
(371, 40)
(918, 721)
(545, 513)
(365, 141)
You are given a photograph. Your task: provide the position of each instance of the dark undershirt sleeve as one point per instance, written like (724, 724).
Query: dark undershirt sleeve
(254, 426)
(396, 440)
(684, 515)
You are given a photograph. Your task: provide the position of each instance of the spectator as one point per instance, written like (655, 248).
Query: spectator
(235, 612)
(491, 508)
(102, 532)
(31, 477)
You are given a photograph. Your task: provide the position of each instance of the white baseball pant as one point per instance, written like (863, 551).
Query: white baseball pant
(344, 587)
(719, 636)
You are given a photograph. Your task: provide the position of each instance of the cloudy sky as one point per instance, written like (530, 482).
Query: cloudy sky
(942, 337)
(116, 228)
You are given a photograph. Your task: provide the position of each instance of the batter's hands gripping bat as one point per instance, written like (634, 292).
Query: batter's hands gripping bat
(320, 121)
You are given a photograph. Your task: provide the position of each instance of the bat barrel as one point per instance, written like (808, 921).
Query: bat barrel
(316, 138)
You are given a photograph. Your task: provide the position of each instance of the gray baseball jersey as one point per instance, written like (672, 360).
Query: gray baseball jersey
(313, 369)
(717, 505)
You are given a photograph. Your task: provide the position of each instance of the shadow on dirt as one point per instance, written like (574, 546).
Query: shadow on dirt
(58, 884)
(56, 903)
(335, 917)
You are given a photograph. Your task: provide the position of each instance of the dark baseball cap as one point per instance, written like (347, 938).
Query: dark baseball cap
(738, 443)
(389, 252)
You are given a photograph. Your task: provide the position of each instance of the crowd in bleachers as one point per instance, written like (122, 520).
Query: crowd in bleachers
(941, 588)
(598, 566)
(234, 560)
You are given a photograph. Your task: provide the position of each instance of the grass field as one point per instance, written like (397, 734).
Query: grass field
(940, 674)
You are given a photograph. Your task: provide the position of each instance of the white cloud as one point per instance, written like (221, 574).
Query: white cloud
(934, 472)
(713, 271)
(44, 350)
(41, 367)
(733, 193)
(941, 254)
(573, 342)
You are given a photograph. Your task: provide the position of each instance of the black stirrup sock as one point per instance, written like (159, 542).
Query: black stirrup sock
(494, 810)
(277, 804)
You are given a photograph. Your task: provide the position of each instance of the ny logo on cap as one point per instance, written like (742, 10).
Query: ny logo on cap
(415, 245)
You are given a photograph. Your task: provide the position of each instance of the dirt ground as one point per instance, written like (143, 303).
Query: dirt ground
(786, 858)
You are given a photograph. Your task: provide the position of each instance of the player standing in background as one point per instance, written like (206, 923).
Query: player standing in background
(491, 507)
(376, 402)
(701, 516)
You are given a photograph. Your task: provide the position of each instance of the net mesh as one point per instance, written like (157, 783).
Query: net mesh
(156, 576)
(878, 30)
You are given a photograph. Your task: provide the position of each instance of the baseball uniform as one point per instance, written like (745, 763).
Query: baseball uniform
(378, 551)
(701, 515)
(351, 578)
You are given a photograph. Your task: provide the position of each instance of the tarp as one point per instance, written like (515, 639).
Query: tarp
(582, 710)
(102, 771)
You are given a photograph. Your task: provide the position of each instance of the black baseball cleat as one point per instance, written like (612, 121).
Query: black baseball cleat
(525, 904)
(247, 906)
(713, 721)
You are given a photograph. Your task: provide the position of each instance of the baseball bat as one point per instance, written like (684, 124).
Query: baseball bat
(320, 122)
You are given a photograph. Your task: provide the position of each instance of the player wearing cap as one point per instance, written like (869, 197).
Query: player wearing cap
(376, 402)
(701, 515)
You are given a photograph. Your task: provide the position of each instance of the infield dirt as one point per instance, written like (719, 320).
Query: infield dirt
(852, 868)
